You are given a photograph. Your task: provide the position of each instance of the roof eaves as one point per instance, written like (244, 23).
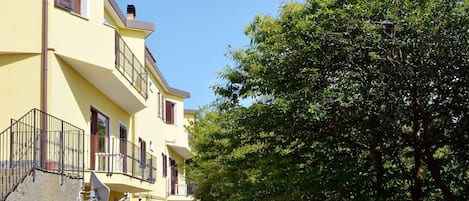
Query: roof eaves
(133, 24)
(190, 111)
(172, 90)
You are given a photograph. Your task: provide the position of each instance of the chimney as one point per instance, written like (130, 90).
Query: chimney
(131, 13)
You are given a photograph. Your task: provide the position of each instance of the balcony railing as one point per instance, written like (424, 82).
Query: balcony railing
(129, 66)
(126, 158)
(183, 189)
(39, 141)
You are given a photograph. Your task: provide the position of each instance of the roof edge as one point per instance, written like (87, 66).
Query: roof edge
(149, 56)
(133, 24)
(190, 111)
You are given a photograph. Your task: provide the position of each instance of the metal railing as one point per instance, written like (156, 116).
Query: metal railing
(184, 189)
(39, 141)
(129, 66)
(126, 158)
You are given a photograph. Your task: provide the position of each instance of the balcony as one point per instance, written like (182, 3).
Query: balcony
(181, 192)
(124, 167)
(129, 67)
(110, 66)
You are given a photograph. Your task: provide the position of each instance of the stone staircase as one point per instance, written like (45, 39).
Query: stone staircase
(9, 179)
(27, 148)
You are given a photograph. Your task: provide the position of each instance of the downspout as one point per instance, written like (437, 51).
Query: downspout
(45, 27)
(44, 85)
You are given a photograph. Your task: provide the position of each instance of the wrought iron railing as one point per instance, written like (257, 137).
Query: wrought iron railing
(129, 66)
(39, 141)
(183, 189)
(126, 158)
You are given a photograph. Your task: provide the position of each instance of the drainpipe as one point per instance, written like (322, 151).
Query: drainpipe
(44, 63)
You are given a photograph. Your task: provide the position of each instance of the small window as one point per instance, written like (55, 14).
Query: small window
(143, 150)
(160, 105)
(170, 112)
(151, 146)
(165, 164)
(71, 5)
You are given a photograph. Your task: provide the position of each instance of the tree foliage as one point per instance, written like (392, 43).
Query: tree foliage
(353, 99)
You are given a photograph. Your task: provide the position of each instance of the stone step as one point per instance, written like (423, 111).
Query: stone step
(9, 177)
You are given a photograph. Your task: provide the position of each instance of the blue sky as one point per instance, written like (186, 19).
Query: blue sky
(191, 38)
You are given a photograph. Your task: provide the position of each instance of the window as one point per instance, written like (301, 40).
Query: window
(123, 145)
(99, 138)
(174, 176)
(71, 5)
(143, 151)
(151, 146)
(160, 105)
(165, 164)
(170, 112)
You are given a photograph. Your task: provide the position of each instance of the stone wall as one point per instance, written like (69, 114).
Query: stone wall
(47, 187)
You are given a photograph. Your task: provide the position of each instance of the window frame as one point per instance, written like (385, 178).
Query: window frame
(161, 106)
(164, 158)
(62, 4)
(142, 152)
(170, 113)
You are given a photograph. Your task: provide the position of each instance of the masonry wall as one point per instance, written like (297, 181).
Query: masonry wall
(46, 187)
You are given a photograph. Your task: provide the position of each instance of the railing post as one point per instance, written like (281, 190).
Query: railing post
(78, 152)
(111, 157)
(150, 176)
(43, 144)
(34, 144)
(116, 49)
(62, 152)
(133, 160)
(83, 155)
(133, 70)
(11, 143)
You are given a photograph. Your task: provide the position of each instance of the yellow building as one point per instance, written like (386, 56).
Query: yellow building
(86, 62)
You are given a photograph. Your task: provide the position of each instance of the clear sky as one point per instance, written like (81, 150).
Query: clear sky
(191, 38)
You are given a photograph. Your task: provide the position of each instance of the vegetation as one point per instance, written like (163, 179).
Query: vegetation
(351, 100)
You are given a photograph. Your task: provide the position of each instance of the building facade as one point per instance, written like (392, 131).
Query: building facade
(86, 62)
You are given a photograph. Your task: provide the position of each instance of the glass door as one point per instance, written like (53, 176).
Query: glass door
(99, 135)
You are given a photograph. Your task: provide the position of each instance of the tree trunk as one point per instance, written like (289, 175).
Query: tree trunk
(416, 191)
(377, 159)
(436, 175)
(432, 164)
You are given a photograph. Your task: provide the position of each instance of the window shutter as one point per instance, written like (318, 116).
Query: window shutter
(64, 3)
(169, 112)
(144, 151)
(72, 5)
(165, 165)
(163, 116)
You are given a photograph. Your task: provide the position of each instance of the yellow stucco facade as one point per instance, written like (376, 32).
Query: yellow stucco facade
(74, 64)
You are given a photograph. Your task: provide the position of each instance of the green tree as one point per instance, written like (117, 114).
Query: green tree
(363, 100)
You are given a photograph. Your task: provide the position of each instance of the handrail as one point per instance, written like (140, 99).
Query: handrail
(183, 189)
(130, 67)
(124, 157)
(39, 141)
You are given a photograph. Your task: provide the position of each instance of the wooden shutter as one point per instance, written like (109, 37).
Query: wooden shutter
(72, 5)
(64, 3)
(144, 152)
(165, 164)
(169, 112)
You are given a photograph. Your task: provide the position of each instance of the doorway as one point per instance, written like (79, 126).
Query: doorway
(99, 139)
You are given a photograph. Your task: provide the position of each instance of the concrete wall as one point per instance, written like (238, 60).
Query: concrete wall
(21, 26)
(46, 187)
(20, 85)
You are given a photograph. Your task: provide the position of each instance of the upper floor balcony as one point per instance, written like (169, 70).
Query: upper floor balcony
(121, 164)
(129, 67)
(107, 55)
